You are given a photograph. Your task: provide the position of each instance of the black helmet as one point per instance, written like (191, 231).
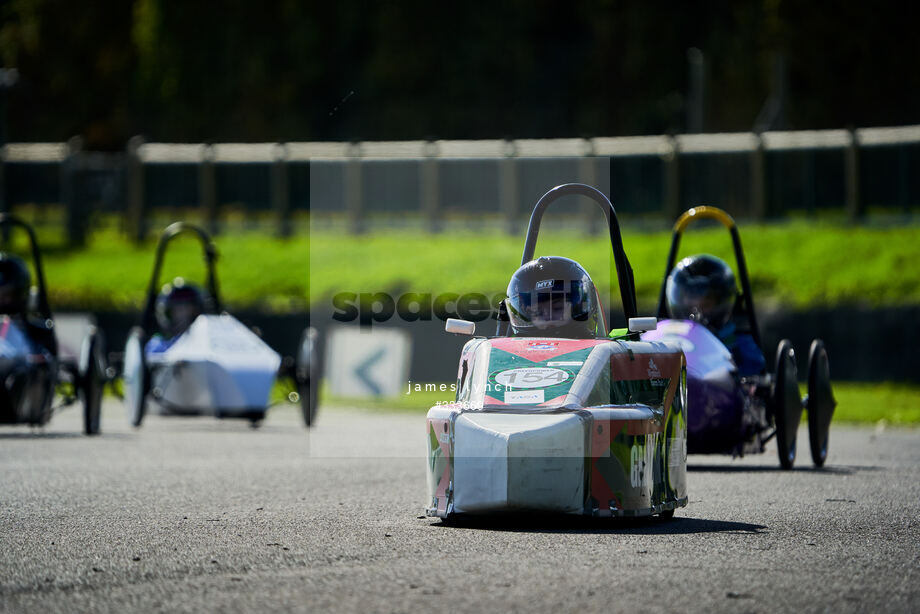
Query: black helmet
(15, 284)
(702, 288)
(178, 304)
(552, 296)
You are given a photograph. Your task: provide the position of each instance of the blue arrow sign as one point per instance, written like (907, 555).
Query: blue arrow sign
(362, 371)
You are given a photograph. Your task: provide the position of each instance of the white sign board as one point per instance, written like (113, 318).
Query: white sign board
(362, 362)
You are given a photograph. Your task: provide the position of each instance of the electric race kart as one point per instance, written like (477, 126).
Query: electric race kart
(33, 366)
(737, 415)
(217, 366)
(593, 427)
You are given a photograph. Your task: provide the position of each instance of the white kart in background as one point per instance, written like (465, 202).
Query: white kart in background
(218, 366)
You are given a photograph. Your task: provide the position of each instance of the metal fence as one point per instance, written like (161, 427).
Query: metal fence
(361, 184)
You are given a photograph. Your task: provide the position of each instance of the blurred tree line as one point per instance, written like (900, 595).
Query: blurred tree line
(197, 70)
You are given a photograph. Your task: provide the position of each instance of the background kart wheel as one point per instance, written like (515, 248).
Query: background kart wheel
(820, 402)
(787, 406)
(136, 377)
(91, 379)
(308, 401)
(666, 515)
(307, 376)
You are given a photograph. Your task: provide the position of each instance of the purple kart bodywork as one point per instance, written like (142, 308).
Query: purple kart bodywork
(716, 400)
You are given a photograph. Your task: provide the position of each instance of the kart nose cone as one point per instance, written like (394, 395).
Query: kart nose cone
(507, 461)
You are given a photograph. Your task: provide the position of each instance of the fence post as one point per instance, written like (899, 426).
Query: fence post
(281, 189)
(137, 220)
(508, 186)
(855, 205)
(75, 212)
(207, 188)
(353, 189)
(758, 179)
(429, 188)
(671, 179)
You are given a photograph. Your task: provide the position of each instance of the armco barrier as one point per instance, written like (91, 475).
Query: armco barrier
(751, 175)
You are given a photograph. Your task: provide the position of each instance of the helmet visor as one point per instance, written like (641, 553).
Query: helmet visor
(699, 300)
(555, 304)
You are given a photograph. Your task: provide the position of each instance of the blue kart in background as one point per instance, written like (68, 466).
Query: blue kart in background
(33, 366)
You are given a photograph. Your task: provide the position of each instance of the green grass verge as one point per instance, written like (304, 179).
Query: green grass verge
(871, 403)
(254, 270)
(857, 403)
(796, 264)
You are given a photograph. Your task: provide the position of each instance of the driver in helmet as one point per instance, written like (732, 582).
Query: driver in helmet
(177, 306)
(15, 288)
(552, 297)
(702, 288)
(15, 284)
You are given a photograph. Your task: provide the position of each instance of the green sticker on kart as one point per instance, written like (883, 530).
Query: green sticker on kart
(519, 381)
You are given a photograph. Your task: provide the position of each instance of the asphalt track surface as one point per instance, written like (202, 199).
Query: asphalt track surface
(194, 514)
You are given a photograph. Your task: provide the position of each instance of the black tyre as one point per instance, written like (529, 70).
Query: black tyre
(821, 402)
(307, 376)
(666, 515)
(136, 377)
(786, 403)
(91, 382)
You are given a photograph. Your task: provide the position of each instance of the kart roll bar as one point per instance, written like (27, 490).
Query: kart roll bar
(210, 257)
(623, 269)
(712, 213)
(43, 308)
(11, 221)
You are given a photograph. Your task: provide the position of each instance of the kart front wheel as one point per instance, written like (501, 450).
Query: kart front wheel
(136, 377)
(307, 376)
(91, 379)
(820, 402)
(786, 404)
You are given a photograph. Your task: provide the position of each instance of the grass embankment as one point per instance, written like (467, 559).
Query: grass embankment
(896, 404)
(253, 270)
(795, 264)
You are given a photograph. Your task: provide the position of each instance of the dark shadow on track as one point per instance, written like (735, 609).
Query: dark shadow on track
(211, 424)
(537, 523)
(827, 469)
(74, 435)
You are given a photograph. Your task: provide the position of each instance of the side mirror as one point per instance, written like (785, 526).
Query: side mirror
(460, 327)
(640, 325)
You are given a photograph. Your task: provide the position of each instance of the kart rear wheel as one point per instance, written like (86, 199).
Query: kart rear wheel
(136, 377)
(786, 404)
(307, 376)
(820, 403)
(91, 379)
(308, 401)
